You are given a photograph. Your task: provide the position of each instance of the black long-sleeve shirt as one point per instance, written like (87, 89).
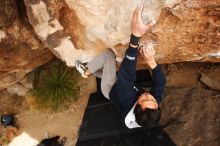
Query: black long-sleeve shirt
(124, 94)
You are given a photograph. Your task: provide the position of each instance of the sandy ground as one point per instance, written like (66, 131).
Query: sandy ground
(36, 124)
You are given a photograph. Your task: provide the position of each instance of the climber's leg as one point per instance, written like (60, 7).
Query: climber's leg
(96, 65)
(109, 73)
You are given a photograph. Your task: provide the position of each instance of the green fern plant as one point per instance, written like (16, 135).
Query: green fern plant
(55, 86)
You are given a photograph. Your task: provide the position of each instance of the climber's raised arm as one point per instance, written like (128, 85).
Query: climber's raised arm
(148, 53)
(127, 70)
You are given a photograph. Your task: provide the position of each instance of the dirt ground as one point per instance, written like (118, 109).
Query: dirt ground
(186, 98)
(64, 124)
(37, 124)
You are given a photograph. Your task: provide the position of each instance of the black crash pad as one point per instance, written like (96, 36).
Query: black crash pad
(102, 125)
(100, 121)
(135, 137)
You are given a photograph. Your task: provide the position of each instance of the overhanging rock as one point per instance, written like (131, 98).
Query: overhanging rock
(80, 29)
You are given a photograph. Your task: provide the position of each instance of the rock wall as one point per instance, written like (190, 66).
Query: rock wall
(197, 109)
(20, 48)
(187, 30)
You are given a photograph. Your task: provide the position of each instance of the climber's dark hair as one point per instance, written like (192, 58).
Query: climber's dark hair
(147, 117)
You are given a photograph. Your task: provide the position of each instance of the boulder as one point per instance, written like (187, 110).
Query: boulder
(198, 111)
(80, 29)
(20, 49)
(71, 29)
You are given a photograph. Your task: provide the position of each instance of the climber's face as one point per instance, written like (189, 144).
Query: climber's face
(146, 100)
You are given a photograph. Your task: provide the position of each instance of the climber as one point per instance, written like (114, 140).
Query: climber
(137, 107)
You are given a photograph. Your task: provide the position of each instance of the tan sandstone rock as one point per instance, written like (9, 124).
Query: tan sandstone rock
(20, 49)
(80, 29)
(187, 30)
